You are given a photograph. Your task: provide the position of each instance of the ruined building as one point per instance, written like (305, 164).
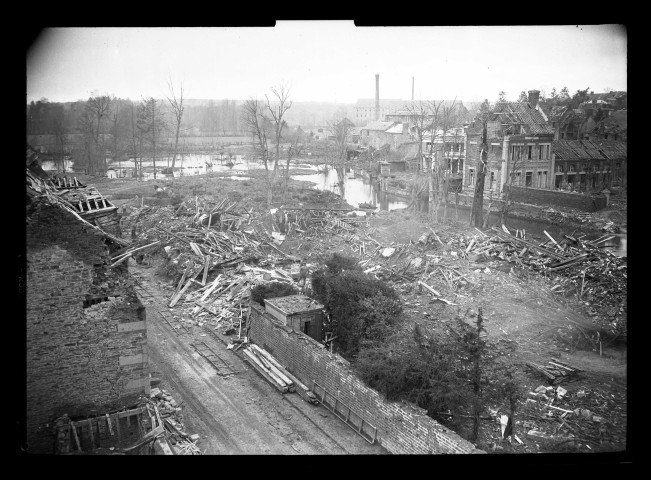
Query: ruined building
(85, 327)
(518, 141)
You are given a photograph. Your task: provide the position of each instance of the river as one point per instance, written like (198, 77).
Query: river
(357, 189)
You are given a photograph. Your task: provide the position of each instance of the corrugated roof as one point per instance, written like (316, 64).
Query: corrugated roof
(589, 149)
(294, 303)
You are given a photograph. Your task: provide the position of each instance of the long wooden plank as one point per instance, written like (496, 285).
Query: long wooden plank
(92, 436)
(178, 296)
(74, 431)
(185, 274)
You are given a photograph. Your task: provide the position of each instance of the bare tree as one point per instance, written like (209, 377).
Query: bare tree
(86, 126)
(435, 109)
(135, 144)
(337, 153)
(420, 120)
(151, 124)
(280, 106)
(256, 124)
(446, 118)
(99, 107)
(450, 120)
(60, 139)
(293, 150)
(177, 110)
(478, 199)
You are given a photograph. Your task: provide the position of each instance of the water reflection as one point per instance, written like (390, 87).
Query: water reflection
(357, 189)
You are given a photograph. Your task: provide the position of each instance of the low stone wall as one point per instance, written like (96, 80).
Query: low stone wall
(556, 198)
(401, 428)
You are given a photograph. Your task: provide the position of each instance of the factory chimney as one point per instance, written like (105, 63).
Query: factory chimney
(377, 96)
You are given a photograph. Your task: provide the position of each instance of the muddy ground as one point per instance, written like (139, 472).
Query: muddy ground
(243, 413)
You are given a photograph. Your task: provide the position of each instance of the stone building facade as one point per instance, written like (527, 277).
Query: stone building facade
(86, 337)
(518, 143)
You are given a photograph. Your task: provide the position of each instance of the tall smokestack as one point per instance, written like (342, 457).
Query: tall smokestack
(412, 89)
(377, 96)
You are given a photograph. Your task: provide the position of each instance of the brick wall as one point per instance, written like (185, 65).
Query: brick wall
(82, 359)
(401, 428)
(539, 196)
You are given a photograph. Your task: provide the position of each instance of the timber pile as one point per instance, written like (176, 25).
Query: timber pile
(276, 374)
(162, 406)
(555, 371)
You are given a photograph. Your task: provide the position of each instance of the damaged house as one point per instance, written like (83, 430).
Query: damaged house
(518, 133)
(86, 338)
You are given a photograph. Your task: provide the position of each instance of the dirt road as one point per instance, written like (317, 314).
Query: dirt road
(240, 413)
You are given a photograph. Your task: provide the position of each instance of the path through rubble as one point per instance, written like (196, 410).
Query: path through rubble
(237, 413)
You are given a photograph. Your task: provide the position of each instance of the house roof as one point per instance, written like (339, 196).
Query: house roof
(379, 125)
(44, 190)
(294, 304)
(522, 113)
(589, 149)
(614, 123)
(397, 128)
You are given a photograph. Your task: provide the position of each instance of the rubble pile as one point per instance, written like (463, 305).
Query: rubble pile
(162, 405)
(554, 416)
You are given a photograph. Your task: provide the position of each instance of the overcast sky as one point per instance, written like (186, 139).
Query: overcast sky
(331, 61)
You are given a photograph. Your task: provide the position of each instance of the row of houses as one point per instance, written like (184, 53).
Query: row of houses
(528, 145)
(559, 148)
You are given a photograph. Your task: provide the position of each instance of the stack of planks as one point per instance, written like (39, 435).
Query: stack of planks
(555, 371)
(276, 374)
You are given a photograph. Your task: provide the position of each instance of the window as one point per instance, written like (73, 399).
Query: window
(559, 168)
(471, 176)
(539, 184)
(571, 168)
(540, 152)
(530, 154)
(492, 180)
(516, 180)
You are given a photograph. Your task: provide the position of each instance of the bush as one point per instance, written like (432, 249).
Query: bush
(336, 263)
(424, 371)
(271, 290)
(361, 309)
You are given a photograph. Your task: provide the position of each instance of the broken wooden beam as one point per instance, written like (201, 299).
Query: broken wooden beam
(434, 292)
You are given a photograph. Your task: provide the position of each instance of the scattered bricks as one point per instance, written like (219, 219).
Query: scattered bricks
(540, 389)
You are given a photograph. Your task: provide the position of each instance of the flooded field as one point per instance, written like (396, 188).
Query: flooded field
(357, 189)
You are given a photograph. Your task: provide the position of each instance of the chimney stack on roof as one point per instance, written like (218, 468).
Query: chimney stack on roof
(377, 96)
(534, 97)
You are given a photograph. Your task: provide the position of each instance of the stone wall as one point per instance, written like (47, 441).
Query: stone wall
(555, 198)
(401, 428)
(85, 327)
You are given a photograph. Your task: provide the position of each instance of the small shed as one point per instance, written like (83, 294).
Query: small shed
(299, 312)
(384, 168)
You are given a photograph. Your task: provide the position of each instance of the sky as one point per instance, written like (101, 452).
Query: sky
(325, 61)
